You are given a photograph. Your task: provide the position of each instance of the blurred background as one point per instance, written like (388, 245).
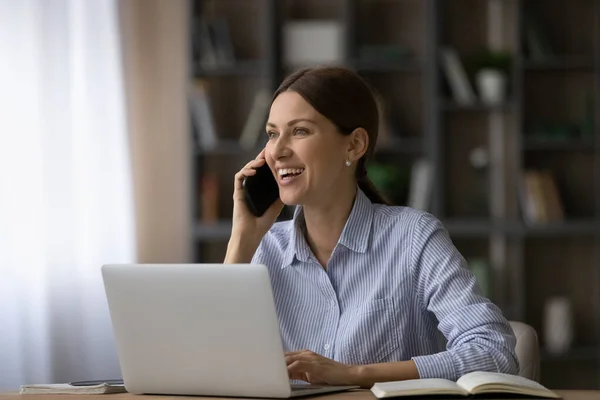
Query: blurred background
(123, 122)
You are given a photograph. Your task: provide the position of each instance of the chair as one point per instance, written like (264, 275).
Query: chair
(527, 349)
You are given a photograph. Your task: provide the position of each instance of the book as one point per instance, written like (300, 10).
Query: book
(471, 384)
(257, 117)
(66, 388)
(209, 198)
(419, 196)
(202, 118)
(456, 75)
(540, 197)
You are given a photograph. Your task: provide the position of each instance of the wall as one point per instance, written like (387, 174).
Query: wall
(155, 44)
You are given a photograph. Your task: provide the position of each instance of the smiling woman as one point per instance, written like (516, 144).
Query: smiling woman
(348, 133)
(362, 289)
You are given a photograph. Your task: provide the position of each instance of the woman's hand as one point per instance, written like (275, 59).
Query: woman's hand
(247, 230)
(311, 367)
(243, 220)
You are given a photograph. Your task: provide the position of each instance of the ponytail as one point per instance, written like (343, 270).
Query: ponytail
(368, 187)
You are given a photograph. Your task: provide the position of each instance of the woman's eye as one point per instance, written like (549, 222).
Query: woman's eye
(271, 134)
(300, 131)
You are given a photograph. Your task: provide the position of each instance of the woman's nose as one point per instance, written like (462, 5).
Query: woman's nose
(280, 148)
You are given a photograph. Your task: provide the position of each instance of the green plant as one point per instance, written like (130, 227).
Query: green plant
(390, 179)
(493, 59)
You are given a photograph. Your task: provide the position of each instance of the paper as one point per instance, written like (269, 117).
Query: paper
(65, 388)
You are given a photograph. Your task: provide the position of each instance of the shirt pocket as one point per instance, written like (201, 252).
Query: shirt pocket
(372, 332)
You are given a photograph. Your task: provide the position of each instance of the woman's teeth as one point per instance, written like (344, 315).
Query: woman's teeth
(290, 171)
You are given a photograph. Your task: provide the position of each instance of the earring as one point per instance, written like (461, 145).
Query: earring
(348, 163)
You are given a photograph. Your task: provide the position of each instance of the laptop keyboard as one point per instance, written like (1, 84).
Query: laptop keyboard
(299, 387)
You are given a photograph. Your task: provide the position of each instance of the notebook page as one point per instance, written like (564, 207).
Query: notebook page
(497, 380)
(417, 386)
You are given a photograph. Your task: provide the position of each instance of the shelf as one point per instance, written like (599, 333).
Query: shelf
(476, 227)
(226, 147)
(568, 227)
(469, 227)
(564, 63)
(456, 227)
(449, 105)
(240, 68)
(583, 353)
(383, 66)
(549, 144)
(218, 231)
(399, 145)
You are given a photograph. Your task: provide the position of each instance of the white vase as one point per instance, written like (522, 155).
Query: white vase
(558, 325)
(491, 85)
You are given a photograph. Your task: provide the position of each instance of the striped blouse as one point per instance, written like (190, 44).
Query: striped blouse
(395, 289)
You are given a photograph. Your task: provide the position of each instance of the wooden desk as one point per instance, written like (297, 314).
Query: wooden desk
(351, 395)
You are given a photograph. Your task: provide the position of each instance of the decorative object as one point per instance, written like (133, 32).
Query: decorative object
(312, 42)
(491, 85)
(479, 159)
(558, 325)
(493, 71)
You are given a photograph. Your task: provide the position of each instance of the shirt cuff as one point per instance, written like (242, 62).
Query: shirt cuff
(440, 365)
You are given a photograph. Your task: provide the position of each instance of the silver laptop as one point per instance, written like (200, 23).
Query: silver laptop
(199, 329)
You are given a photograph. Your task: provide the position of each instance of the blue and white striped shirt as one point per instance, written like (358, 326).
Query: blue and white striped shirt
(393, 285)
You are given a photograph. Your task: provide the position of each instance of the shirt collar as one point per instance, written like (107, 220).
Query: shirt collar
(357, 231)
(355, 235)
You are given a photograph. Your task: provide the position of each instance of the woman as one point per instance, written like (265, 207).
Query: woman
(362, 289)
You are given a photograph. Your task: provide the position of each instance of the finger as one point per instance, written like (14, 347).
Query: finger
(255, 163)
(303, 351)
(302, 367)
(296, 367)
(298, 376)
(291, 359)
(261, 155)
(240, 176)
(300, 357)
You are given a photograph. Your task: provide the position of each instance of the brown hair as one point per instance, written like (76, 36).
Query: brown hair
(344, 98)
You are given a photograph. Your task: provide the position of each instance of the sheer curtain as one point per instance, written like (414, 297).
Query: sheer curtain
(66, 202)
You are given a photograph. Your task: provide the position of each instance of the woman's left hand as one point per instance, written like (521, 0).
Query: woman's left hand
(311, 367)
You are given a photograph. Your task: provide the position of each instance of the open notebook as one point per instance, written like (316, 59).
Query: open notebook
(471, 384)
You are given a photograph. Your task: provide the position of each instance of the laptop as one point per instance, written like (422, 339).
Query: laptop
(199, 329)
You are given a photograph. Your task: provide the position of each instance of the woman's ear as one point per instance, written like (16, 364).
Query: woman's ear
(359, 143)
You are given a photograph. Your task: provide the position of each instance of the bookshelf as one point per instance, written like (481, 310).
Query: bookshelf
(549, 120)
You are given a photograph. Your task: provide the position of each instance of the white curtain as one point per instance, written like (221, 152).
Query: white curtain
(66, 202)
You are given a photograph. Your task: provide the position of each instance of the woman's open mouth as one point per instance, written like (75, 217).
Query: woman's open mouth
(288, 175)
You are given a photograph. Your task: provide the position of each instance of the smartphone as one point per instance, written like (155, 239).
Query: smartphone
(260, 190)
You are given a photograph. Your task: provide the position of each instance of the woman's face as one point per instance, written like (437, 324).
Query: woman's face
(305, 151)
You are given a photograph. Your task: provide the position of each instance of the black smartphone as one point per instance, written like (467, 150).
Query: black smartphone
(260, 190)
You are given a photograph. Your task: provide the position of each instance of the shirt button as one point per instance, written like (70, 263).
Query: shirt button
(326, 347)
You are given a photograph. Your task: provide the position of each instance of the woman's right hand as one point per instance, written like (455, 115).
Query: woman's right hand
(244, 222)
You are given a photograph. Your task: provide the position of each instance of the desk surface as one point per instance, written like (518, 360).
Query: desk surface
(350, 395)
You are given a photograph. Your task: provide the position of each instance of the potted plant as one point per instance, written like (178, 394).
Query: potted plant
(492, 72)
(391, 180)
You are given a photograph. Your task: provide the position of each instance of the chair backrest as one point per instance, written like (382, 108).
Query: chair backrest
(527, 349)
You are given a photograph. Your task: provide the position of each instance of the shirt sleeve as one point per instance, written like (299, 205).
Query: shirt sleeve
(479, 338)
